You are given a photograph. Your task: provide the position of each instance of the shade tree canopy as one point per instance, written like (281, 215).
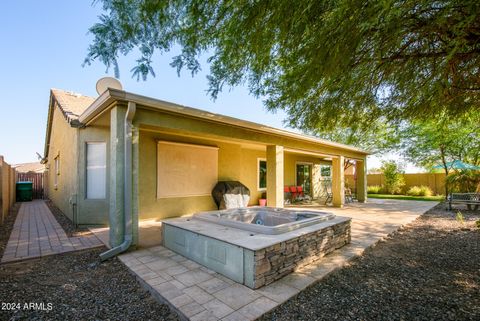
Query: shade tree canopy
(329, 64)
(443, 141)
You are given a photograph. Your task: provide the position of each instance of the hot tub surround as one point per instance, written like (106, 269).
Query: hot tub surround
(250, 258)
(276, 261)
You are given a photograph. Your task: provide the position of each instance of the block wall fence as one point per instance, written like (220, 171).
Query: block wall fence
(436, 181)
(7, 188)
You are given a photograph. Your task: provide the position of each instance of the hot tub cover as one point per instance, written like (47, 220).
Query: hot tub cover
(230, 194)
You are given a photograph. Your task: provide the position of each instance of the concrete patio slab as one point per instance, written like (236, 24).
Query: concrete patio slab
(36, 233)
(198, 293)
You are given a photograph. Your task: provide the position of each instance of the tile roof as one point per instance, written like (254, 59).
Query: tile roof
(71, 104)
(29, 167)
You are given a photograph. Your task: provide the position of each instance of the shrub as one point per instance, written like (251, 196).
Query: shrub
(413, 191)
(463, 181)
(374, 189)
(394, 180)
(425, 191)
(419, 191)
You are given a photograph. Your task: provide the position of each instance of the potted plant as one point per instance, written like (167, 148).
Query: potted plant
(263, 199)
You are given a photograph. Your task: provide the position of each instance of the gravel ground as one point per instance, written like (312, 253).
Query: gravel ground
(78, 287)
(7, 226)
(65, 222)
(429, 270)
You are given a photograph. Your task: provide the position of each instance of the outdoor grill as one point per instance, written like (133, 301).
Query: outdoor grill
(230, 194)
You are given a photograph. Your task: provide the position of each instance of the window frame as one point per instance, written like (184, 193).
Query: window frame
(104, 143)
(259, 188)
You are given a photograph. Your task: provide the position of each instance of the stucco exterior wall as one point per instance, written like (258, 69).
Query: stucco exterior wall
(291, 161)
(239, 150)
(205, 128)
(63, 144)
(234, 163)
(249, 172)
(93, 211)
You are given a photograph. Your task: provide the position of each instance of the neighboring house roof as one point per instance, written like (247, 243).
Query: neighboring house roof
(29, 167)
(71, 104)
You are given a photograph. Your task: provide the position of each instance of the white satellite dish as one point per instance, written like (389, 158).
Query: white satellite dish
(108, 82)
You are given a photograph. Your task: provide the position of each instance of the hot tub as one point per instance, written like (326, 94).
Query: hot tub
(256, 246)
(264, 220)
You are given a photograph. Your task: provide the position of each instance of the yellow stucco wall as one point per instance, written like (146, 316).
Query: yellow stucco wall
(94, 211)
(239, 150)
(291, 161)
(63, 144)
(235, 162)
(70, 145)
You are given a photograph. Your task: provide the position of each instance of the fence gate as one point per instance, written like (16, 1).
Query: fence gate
(38, 180)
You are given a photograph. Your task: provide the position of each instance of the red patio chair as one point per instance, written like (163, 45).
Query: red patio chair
(293, 190)
(300, 191)
(286, 194)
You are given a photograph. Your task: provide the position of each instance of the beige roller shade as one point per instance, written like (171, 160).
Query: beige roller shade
(186, 169)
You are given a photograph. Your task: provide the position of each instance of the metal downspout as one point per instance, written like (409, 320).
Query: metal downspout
(128, 233)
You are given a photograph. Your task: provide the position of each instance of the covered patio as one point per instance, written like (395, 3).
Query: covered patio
(174, 155)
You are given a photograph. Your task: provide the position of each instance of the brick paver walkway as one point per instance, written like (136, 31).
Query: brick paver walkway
(37, 233)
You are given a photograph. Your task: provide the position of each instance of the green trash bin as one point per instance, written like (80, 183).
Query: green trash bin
(24, 191)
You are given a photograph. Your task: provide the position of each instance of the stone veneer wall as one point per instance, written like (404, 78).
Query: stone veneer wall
(276, 261)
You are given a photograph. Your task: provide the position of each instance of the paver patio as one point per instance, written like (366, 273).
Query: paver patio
(37, 233)
(198, 293)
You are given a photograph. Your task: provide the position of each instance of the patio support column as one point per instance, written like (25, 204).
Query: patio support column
(275, 176)
(361, 171)
(116, 208)
(338, 181)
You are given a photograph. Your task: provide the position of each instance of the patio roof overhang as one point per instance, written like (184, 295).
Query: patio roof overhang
(108, 99)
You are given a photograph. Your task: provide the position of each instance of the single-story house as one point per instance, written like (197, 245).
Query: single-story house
(123, 155)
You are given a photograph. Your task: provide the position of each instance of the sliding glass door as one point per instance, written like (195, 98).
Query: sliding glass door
(304, 177)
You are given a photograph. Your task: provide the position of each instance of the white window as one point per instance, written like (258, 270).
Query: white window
(185, 169)
(56, 171)
(96, 170)
(261, 174)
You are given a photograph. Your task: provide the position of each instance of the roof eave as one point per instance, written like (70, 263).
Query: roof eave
(110, 95)
(49, 126)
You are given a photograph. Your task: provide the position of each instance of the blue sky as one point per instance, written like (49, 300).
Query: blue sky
(43, 46)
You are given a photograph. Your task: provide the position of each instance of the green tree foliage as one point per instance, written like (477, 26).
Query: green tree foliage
(326, 63)
(393, 174)
(379, 137)
(443, 140)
